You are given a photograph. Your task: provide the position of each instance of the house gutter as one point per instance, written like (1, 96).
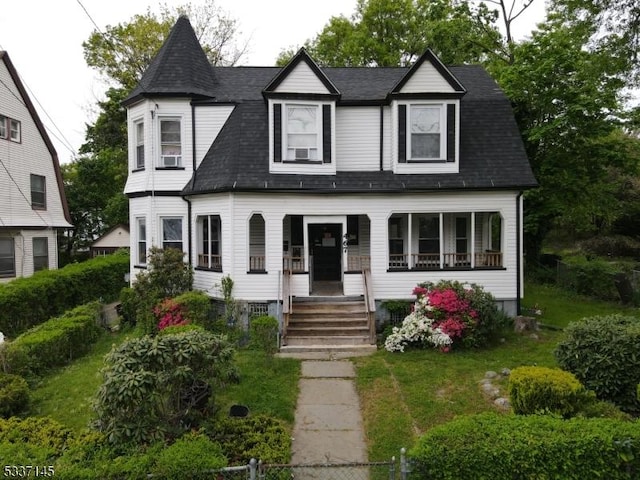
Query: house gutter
(381, 136)
(193, 178)
(518, 250)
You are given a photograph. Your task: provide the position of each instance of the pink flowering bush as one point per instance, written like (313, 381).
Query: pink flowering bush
(169, 313)
(447, 315)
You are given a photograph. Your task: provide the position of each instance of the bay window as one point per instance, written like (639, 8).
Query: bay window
(170, 142)
(139, 139)
(172, 232)
(141, 230)
(209, 245)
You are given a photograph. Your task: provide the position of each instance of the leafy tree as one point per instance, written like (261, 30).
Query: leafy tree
(395, 33)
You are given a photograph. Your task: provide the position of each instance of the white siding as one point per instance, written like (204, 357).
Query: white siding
(236, 210)
(209, 121)
(302, 80)
(19, 161)
(23, 248)
(357, 138)
(387, 139)
(150, 179)
(426, 79)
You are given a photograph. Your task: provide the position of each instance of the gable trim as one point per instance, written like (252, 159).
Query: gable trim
(438, 65)
(300, 56)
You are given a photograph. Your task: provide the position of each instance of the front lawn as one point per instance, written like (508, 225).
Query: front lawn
(405, 394)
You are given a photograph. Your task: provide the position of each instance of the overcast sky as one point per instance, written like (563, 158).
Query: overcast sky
(44, 41)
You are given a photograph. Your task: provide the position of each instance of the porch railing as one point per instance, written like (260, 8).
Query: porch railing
(370, 304)
(257, 263)
(213, 262)
(432, 261)
(357, 263)
(293, 264)
(287, 303)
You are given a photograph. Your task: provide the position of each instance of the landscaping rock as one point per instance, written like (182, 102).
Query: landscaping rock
(502, 403)
(523, 324)
(490, 374)
(505, 372)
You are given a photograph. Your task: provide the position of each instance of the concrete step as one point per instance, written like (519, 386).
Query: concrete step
(326, 340)
(342, 350)
(311, 331)
(356, 321)
(322, 308)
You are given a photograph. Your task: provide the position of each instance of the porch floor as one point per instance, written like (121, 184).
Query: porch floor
(326, 288)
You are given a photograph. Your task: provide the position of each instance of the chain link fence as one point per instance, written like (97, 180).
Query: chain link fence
(255, 470)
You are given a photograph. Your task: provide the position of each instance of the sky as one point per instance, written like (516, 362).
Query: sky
(44, 41)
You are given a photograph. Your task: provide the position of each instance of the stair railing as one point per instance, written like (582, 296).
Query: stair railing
(370, 304)
(287, 303)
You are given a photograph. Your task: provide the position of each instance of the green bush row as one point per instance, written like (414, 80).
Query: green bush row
(55, 342)
(504, 447)
(26, 302)
(602, 352)
(14, 395)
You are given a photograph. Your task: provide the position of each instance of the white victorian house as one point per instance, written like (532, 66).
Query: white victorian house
(32, 201)
(303, 180)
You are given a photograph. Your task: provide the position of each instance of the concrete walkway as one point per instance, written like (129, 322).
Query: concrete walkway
(328, 424)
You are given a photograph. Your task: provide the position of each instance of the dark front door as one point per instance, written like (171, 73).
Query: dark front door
(325, 244)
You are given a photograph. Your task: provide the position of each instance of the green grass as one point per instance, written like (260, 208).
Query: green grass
(405, 394)
(267, 387)
(67, 394)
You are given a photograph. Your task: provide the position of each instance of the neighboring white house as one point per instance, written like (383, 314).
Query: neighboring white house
(32, 201)
(414, 174)
(114, 239)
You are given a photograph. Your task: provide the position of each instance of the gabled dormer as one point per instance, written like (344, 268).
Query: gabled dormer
(301, 102)
(425, 109)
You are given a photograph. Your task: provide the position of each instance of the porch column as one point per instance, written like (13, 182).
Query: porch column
(441, 235)
(473, 239)
(410, 242)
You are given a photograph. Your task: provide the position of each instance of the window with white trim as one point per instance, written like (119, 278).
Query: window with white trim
(209, 245)
(139, 139)
(141, 229)
(7, 257)
(425, 133)
(172, 232)
(170, 142)
(302, 136)
(4, 121)
(38, 192)
(15, 130)
(40, 253)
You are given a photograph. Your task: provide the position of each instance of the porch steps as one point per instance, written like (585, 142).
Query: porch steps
(327, 324)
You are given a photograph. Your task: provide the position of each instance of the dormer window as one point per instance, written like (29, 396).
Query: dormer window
(170, 143)
(425, 139)
(302, 132)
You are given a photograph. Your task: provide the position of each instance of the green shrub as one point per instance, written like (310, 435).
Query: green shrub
(26, 302)
(167, 276)
(547, 390)
(504, 447)
(264, 334)
(261, 437)
(612, 246)
(37, 431)
(173, 329)
(191, 456)
(592, 278)
(55, 342)
(14, 395)
(602, 352)
(158, 387)
(197, 306)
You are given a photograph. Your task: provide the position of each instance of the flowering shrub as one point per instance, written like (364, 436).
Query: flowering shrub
(446, 315)
(169, 313)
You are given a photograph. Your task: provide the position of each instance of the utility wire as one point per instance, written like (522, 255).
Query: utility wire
(22, 193)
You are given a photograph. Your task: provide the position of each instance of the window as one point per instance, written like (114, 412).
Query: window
(302, 129)
(10, 129)
(172, 232)
(209, 248)
(425, 123)
(141, 227)
(38, 192)
(139, 133)
(397, 257)
(170, 143)
(352, 229)
(7, 257)
(40, 253)
(429, 234)
(15, 130)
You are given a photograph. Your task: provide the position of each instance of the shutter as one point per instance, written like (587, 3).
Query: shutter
(326, 133)
(451, 133)
(277, 132)
(402, 134)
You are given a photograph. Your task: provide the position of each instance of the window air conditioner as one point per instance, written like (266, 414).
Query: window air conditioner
(302, 154)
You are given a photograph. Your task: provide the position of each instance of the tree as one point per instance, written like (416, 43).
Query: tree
(395, 33)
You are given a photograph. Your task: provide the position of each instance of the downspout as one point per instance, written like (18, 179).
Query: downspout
(193, 178)
(381, 137)
(518, 251)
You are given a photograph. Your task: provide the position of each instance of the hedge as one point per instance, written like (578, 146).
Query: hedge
(55, 342)
(26, 302)
(497, 446)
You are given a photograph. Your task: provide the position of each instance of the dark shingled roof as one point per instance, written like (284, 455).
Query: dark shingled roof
(492, 154)
(181, 68)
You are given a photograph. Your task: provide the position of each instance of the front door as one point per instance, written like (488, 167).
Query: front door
(325, 248)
